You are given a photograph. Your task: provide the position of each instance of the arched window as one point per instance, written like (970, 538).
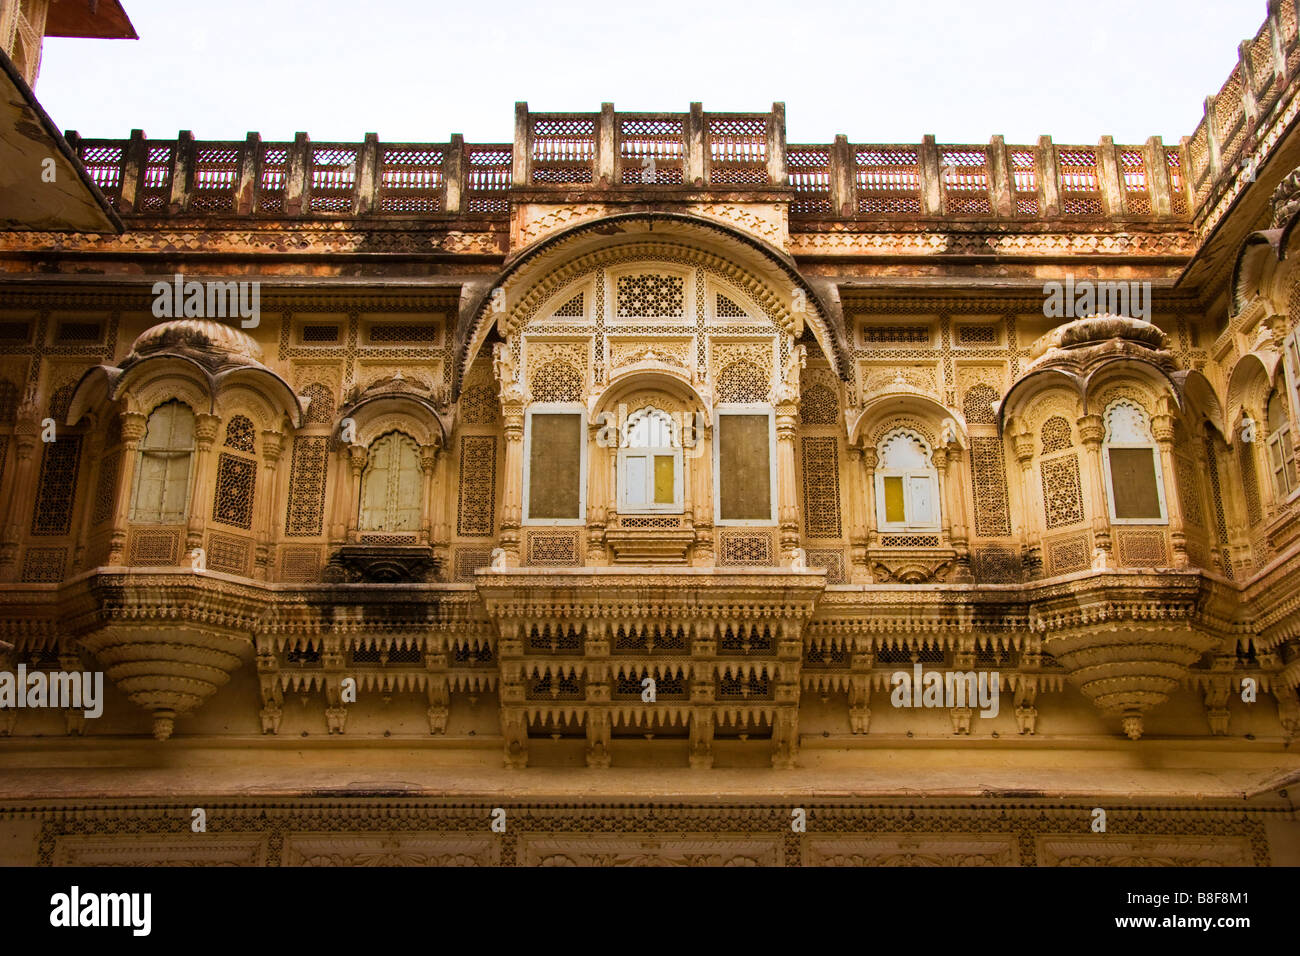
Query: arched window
(390, 485)
(907, 485)
(162, 475)
(1281, 450)
(650, 464)
(1132, 462)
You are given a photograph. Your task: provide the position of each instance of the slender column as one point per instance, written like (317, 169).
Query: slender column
(94, 452)
(428, 462)
(267, 513)
(356, 464)
(956, 486)
(940, 457)
(1031, 542)
(205, 433)
(787, 500)
(702, 474)
(1162, 426)
(598, 486)
(25, 442)
(133, 428)
(512, 507)
(1091, 432)
(857, 517)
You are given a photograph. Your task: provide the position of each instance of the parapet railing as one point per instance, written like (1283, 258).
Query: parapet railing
(630, 154)
(1266, 65)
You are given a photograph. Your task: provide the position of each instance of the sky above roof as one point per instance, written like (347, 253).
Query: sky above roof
(879, 71)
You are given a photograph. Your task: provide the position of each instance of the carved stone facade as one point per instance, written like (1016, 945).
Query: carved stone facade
(642, 498)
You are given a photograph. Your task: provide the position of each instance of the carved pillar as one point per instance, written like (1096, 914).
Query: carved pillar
(702, 475)
(356, 465)
(1031, 538)
(267, 525)
(342, 485)
(133, 427)
(428, 462)
(940, 457)
(870, 457)
(94, 452)
(1162, 426)
(599, 487)
(788, 503)
(20, 488)
(956, 504)
(205, 433)
(1091, 432)
(858, 573)
(512, 506)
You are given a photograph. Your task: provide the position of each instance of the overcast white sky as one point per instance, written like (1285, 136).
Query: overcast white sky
(880, 71)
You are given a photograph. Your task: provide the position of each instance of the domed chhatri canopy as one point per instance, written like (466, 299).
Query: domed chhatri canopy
(215, 344)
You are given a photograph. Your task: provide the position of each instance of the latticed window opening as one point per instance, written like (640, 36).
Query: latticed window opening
(651, 150)
(738, 151)
(888, 181)
(216, 170)
(555, 638)
(240, 434)
(103, 162)
(333, 178)
(56, 488)
(391, 494)
(966, 182)
(162, 476)
(1177, 186)
(488, 178)
(744, 382)
(233, 497)
(669, 686)
(651, 296)
(746, 639)
(648, 638)
(819, 406)
(989, 473)
(1137, 185)
(556, 381)
(1080, 190)
(156, 184)
(410, 179)
(741, 687)
(1024, 181)
(977, 405)
(1056, 435)
(810, 174)
(896, 334)
(563, 149)
(275, 173)
(320, 410)
(307, 475)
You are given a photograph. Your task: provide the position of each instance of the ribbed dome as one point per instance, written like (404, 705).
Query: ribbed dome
(217, 340)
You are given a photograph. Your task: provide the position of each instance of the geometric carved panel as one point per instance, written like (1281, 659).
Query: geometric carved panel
(555, 548)
(666, 851)
(233, 503)
(830, 559)
(478, 472)
(1062, 496)
(821, 487)
(161, 849)
(299, 565)
(1143, 851)
(1065, 555)
(228, 554)
(912, 849)
(1141, 549)
(153, 547)
(390, 849)
(56, 487)
(988, 469)
(745, 548)
(44, 565)
(307, 487)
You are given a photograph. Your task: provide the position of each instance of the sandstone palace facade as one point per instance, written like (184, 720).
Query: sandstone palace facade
(609, 476)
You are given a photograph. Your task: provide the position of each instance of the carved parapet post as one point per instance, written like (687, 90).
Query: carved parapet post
(1218, 687)
(70, 663)
(336, 711)
(1091, 432)
(1026, 695)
